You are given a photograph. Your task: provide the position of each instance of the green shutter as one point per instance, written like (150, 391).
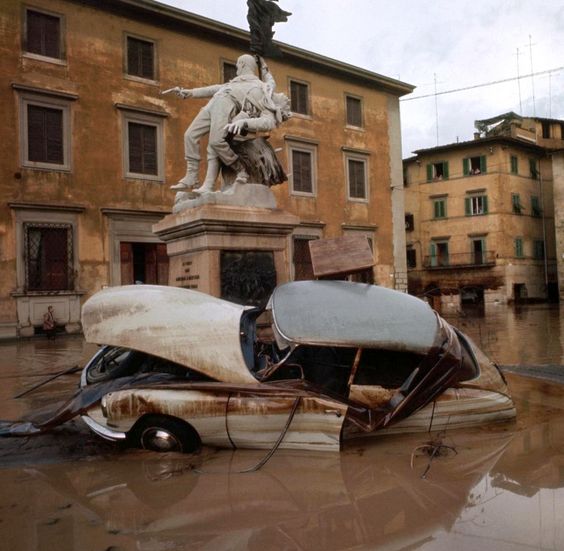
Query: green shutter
(429, 172)
(466, 167)
(467, 206)
(519, 247)
(514, 165)
(445, 170)
(483, 164)
(485, 204)
(433, 253)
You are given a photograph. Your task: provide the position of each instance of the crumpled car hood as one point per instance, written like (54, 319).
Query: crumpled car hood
(186, 327)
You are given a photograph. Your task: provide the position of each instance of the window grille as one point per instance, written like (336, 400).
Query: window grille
(48, 257)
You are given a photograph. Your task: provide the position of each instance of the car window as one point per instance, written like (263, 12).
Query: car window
(385, 368)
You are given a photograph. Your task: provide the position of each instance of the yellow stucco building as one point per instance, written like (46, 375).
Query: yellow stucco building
(480, 214)
(90, 148)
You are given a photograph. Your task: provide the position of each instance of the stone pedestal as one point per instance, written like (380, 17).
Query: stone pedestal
(203, 242)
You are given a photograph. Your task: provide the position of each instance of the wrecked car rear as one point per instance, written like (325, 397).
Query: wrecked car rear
(339, 359)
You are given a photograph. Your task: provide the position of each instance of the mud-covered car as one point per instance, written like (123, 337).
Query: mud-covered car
(335, 360)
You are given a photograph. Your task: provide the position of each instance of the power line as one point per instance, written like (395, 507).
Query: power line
(491, 83)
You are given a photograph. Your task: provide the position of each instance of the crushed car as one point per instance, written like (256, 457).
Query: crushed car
(324, 361)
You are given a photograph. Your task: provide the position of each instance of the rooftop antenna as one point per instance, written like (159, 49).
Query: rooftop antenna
(549, 94)
(519, 83)
(436, 108)
(532, 73)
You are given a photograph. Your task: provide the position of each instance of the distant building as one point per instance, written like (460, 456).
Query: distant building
(90, 148)
(480, 214)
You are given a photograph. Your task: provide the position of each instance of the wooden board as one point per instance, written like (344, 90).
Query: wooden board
(339, 256)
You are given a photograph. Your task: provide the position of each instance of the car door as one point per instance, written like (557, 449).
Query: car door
(255, 421)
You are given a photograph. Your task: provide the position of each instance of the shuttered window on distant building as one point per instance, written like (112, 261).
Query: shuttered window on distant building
(357, 179)
(43, 34)
(302, 177)
(354, 111)
(299, 97)
(140, 58)
(45, 134)
(142, 148)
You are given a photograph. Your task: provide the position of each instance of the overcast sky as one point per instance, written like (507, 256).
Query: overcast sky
(463, 42)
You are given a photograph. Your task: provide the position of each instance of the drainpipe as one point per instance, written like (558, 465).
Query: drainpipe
(543, 231)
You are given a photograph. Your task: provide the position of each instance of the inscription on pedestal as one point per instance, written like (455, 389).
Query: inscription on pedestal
(187, 280)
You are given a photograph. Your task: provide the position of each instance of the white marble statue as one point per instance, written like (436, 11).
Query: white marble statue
(244, 105)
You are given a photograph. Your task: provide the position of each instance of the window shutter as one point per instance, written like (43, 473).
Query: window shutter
(140, 58)
(126, 263)
(52, 38)
(150, 150)
(514, 165)
(45, 134)
(132, 56)
(54, 136)
(429, 172)
(485, 203)
(465, 167)
(467, 206)
(299, 97)
(135, 148)
(301, 170)
(356, 179)
(147, 62)
(433, 253)
(354, 111)
(483, 164)
(445, 169)
(43, 34)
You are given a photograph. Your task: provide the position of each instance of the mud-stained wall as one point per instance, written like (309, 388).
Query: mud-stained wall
(90, 79)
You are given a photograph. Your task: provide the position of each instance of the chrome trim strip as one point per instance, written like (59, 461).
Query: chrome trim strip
(102, 431)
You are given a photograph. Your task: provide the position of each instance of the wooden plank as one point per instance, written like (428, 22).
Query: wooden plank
(339, 256)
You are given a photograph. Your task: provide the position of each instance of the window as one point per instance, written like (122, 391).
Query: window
(43, 34)
(409, 222)
(143, 262)
(533, 170)
(538, 249)
(535, 206)
(48, 257)
(474, 165)
(302, 171)
(140, 58)
(357, 178)
(439, 254)
(437, 171)
(545, 129)
(303, 268)
(299, 97)
(439, 208)
(514, 165)
(229, 71)
(354, 111)
(476, 205)
(478, 251)
(519, 247)
(143, 151)
(516, 203)
(45, 132)
(411, 255)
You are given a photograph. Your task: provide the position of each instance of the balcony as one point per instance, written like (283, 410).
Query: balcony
(482, 259)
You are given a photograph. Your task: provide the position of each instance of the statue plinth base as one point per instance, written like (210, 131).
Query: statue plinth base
(220, 249)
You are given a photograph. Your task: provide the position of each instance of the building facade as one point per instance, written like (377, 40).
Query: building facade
(480, 214)
(91, 147)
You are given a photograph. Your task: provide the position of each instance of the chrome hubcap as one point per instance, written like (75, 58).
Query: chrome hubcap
(159, 439)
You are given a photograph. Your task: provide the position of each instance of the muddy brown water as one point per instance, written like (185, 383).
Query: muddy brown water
(498, 488)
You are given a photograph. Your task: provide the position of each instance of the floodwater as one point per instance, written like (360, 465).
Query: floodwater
(495, 488)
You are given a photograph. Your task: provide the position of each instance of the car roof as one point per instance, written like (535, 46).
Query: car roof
(341, 313)
(181, 325)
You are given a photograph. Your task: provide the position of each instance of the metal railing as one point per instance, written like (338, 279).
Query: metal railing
(459, 260)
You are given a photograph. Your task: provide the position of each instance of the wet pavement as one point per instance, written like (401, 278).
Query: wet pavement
(495, 488)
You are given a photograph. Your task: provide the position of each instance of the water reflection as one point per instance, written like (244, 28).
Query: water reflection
(516, 335)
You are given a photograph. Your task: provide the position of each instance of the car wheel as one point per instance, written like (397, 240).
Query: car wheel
(109, 365)
(165, 434)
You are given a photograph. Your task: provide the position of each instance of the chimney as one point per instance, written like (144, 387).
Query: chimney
(476, 135)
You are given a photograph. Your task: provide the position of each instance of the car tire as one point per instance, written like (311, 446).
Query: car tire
(161, 433)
